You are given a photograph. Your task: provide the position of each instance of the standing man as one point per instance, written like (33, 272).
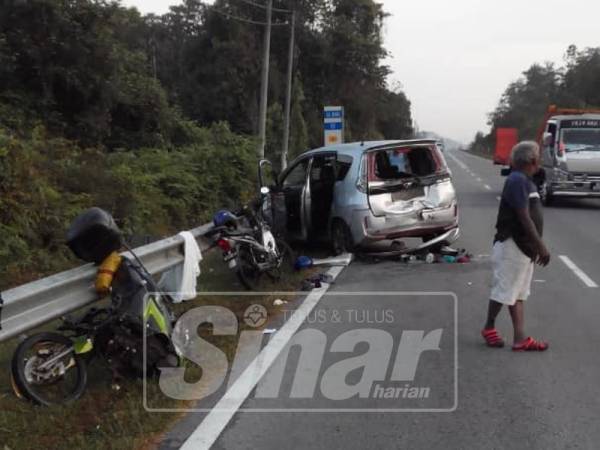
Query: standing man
(517, 246)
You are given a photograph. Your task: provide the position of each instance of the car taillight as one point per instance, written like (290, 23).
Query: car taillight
(224, 245)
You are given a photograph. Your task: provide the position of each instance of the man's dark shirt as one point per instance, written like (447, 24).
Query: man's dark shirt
(519, 192)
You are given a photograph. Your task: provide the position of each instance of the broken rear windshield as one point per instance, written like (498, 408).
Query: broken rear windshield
(399, 163)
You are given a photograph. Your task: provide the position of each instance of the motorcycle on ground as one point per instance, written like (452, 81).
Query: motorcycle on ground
(51, 367)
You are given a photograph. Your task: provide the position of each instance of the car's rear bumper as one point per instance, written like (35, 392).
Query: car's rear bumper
(432, 223)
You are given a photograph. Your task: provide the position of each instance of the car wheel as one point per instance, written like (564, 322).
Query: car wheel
(341, 238)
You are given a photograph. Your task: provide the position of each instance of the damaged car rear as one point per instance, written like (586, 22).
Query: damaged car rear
(371, 195)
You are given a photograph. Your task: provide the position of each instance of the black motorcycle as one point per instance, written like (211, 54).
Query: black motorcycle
(51, 368)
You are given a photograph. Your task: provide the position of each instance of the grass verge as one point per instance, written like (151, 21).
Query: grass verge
(107, 418)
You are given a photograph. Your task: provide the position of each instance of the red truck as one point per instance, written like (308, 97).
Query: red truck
(506, 139)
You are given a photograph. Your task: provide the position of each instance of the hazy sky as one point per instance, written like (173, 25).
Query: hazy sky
(455, 58)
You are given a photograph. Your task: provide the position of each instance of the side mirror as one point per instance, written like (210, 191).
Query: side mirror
(547, 139)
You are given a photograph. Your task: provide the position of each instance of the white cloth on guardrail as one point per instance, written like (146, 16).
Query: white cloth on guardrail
(181, 280)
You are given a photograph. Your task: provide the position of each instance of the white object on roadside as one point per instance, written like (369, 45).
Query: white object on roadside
(342, 260)
(269, 330)
(181, 280)
(278, 302)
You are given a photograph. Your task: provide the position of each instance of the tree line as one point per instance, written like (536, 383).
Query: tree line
(103, 74)
(154, 117)
(575, 84)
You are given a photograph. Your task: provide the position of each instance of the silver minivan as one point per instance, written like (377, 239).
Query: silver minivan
(368, 193)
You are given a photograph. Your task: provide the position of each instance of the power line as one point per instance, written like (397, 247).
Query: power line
(242, 19)
(258, 5)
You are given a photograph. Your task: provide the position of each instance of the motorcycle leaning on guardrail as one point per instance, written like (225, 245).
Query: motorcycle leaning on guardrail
(51, 368)
(248, 244)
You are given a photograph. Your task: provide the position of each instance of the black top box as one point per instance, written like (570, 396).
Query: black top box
(94, 235)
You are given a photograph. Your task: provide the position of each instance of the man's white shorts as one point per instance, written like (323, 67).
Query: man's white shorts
(513, 271)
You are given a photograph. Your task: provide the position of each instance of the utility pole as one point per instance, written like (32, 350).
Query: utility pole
(154, 64)
(288, 94)
(264, 83)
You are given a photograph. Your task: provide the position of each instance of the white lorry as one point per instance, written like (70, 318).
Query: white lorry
(570, 152)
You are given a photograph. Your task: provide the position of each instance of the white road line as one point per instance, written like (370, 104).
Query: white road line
(466, 168)
(215, 422)
(461, 164)
(577, 271)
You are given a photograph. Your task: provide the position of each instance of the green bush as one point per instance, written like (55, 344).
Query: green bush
(46, 181)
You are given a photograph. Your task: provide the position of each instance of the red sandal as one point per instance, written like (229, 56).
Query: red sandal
(530, 345)
(492, 338)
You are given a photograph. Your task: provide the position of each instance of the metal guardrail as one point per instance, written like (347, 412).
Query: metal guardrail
(41, 301)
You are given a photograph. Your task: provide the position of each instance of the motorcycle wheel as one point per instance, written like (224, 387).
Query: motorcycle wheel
(285, 263)
(247, 272)
(62, 382)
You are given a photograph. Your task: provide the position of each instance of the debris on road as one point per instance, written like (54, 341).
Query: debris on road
(444, 255)
(326, 278)
(316, 281)
(304, 262)
(342, 260)
(463, 259)
(311, 283)
(446, 250)
(269, 330)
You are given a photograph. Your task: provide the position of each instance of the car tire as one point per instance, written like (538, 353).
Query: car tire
(341, 238)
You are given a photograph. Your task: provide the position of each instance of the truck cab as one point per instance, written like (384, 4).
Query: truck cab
(570, 156)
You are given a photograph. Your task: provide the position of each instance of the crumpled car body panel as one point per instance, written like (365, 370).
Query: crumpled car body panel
(418, 206)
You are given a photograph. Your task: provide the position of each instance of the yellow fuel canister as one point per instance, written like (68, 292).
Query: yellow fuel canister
(106, 273)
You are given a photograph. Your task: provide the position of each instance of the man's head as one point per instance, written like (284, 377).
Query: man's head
(525, 156)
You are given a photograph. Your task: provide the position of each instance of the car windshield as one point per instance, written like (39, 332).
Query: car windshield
(581, 139)
(400, 163)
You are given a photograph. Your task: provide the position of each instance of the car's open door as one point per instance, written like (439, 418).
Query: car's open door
(294, 184)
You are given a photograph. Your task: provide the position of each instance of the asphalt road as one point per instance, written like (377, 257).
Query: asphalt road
(504, 399)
